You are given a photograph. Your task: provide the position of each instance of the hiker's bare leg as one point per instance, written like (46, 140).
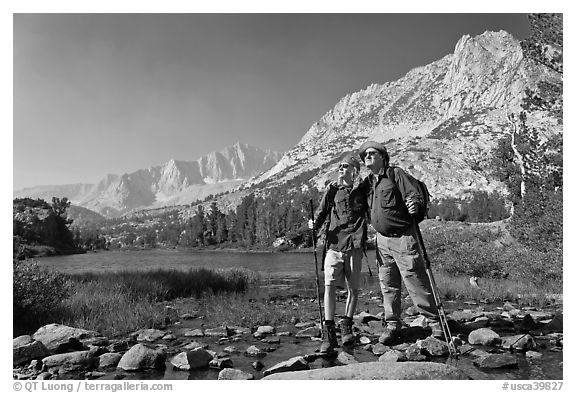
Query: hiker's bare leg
(329, 302)
(351, 302)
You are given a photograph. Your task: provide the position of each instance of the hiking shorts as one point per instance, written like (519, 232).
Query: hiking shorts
(343, 266)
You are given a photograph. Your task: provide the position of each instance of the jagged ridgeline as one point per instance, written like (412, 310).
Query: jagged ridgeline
(173, 183)
(441, 121)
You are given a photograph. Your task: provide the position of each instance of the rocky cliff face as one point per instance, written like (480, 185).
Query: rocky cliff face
(439, 122)
(175, 182)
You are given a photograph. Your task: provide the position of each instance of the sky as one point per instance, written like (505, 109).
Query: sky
(113, 93)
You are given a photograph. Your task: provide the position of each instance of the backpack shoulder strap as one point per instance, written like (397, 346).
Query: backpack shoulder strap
(332, 189)
(391, 173)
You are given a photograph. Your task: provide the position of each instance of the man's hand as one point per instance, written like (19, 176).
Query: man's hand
(411, 205)
(310, 224)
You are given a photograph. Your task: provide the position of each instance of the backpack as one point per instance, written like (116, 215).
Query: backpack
(422, 190)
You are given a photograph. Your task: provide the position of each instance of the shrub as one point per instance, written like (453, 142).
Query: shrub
(479, 207)
(464, 249)
(538, 221)
(37, 295)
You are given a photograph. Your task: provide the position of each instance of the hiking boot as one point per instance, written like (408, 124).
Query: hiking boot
(330, 341)
(390, 335)
(346, 331)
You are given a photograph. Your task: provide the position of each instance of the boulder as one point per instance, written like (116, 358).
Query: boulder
(71, 361)
(61, 338)
(521, 342)
(239, 330)
(380, 349)
(266, 330)
(540, 315)
(412, 311)
(254, 351)
(499, 360)
(304, 325)
(310, 332)
(420, 321)
(35, 365)
(44, 376)
(25, 349)
(257, 365)
(197, 358)
(148, 335)
(431, 346)
(528, 323)
(294, 364)
(109, 360)
(484, 336)
(143, 357)
(234, 374)
(194, 345)
(344, 358)
(231, 350)
(556, 325)
(533, 355)
(393, 356)
(465, 315)
(97, 351)
(414, 353)
(194, 333)
(378, 371)
(221, 363)
(364, 340)
(365, 317)
(478, 323)
(374, 328)
(118, 346)
(219, 332)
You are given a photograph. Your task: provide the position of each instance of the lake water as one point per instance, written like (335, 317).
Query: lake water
(280, 269)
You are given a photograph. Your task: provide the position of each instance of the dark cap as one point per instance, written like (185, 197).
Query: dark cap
(351, 159)
(374, 145)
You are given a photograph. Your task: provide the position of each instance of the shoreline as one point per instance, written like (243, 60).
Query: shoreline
(198, 250)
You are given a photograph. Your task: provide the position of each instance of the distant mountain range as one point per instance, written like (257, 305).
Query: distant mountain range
(174, 183)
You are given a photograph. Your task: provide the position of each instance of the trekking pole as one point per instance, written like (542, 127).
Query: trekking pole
(316, 268)
(441, 314)
(367, 261)
(369, 270)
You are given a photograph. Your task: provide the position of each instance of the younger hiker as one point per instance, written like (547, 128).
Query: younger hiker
(343, 207)
(394, 200)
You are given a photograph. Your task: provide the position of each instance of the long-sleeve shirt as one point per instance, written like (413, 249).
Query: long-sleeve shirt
(388, 213)
(346, 208)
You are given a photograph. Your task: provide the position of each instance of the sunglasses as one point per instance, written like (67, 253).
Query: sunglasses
(343, 166)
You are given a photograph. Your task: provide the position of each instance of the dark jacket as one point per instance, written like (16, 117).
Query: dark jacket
(348, 208)
(388, 213)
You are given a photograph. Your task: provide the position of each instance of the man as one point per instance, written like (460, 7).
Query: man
(345, 206)
(392, 205)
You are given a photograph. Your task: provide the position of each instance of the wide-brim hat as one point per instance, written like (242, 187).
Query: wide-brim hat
(374, 145)
(351, 159)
